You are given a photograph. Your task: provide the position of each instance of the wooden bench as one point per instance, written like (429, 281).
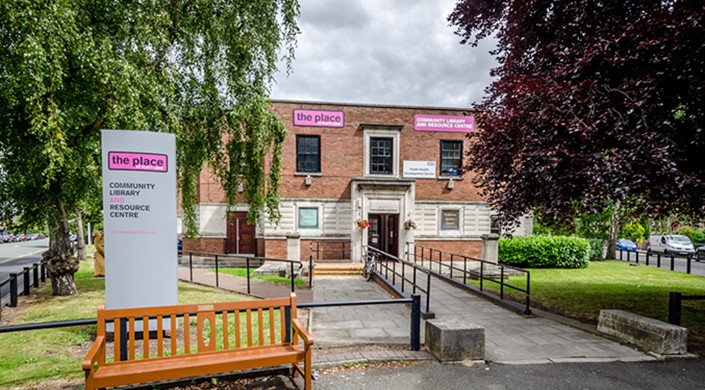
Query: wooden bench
(228, 337)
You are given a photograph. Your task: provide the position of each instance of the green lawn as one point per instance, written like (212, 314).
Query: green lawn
(38, 356)
(582, 293)
(242, 272)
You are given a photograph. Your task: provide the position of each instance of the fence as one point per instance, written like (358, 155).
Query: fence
(386, 264)
(414, 329)
(38, 273)
(248, 262)
(648, 259)
(455, 267)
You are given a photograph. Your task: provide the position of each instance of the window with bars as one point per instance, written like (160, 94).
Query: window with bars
(381, 156)
(308, 153)
(451, 158)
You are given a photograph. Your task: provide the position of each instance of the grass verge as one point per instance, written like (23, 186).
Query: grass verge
(582, 293)
(31, 357)
(242, 272)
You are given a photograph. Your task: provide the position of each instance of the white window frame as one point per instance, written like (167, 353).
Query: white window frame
(395, 136)
(450, 232)
(298, 217)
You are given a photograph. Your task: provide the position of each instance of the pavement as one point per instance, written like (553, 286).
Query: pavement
(373, 333)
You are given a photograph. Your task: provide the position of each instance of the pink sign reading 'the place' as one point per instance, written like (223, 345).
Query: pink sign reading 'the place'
(126, 161)
(317, 118)
(447, 123)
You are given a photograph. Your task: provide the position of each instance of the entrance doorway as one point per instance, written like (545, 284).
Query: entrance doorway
(240, 234)
(384, 233)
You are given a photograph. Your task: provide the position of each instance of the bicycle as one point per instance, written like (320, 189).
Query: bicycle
(369, 268)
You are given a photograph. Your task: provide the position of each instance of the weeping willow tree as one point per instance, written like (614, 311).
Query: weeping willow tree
(201, 69)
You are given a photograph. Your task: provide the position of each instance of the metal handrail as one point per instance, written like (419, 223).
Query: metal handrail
(469, 274)
(382, 270)
(247, 258)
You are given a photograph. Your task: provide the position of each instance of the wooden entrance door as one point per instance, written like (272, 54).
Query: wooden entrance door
(384, 233)
(241, 235)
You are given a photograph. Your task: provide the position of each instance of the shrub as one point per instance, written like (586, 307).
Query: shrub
(596, 249)
(696, 235)
(544, 252)
(634, 231)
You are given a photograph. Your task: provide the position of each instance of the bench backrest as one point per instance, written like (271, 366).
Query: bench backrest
(218, 326)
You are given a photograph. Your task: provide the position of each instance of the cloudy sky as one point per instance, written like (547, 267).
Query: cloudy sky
(399, 52)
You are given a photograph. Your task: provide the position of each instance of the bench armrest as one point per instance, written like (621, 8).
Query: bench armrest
(301, 331)
(93, 354)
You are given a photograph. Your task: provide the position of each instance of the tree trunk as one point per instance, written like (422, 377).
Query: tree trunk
(80, 238)
(59, 263)
(613, 232)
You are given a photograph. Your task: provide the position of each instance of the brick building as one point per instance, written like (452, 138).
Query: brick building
(345, 163)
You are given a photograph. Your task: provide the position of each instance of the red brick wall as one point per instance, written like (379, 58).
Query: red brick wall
(274, 249)
(464, 248)
(342, 154)
(326, 249)
(204, 244)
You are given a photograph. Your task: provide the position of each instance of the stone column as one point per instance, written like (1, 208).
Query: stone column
(490, 247)
(293, 246)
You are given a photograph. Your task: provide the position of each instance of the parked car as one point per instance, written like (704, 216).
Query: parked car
(626, 245)
(671, 244)
(700, 253)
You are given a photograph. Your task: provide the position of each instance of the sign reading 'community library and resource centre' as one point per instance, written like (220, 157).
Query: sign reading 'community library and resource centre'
(139, 215)
(446, 123)
(318, 118)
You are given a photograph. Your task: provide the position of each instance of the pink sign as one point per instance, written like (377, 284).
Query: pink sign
(317, 118)
(458, 124)
(126, 161)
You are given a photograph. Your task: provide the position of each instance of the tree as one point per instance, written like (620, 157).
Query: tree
(594, 102)
(198, 69)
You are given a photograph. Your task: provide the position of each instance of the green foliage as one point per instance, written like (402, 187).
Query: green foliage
(545, 252)
(696, 235)
(634, 231)
(242, 272)
(201, 70)
(596, 249)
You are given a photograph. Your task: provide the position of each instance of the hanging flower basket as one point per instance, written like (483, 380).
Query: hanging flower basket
(409, 224)
(362, 223)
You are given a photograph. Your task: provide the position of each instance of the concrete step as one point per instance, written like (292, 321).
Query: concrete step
(347, 268)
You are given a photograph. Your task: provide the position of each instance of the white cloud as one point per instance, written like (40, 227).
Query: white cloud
(399, 52)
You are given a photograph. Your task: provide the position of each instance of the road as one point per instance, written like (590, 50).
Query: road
(680, 263)
(15, 256)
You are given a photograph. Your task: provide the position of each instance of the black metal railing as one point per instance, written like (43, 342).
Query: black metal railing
(28, 277)
(657, 259)
(411, 278)
(675, 305)
(414, 329)
(249, 262)
(459, 269)
(322, 250)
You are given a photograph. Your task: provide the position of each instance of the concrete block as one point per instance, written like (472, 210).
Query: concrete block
(645, 333)
(455, 340)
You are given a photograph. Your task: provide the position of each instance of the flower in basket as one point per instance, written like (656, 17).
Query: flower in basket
(409, 224)
(362, 223)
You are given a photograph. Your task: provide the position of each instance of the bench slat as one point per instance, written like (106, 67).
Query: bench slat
(249, 327)
(187, 334)
(132, 338)
(160, 339)
(145, 336)
(260, 327)
(271, 326)
(282, 324)
(173, 334)
(226, 344)
(237, 328)
(195, 365)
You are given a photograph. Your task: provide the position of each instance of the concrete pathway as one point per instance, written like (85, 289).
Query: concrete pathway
(510, 338)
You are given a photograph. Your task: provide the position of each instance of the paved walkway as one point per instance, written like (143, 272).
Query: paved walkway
(509, 338)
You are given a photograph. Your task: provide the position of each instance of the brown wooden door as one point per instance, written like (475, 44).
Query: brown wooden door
(384, 233)
(241, 235)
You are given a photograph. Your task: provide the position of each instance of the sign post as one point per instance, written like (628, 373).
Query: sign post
(139, 214)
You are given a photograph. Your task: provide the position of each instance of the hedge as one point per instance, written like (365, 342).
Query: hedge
(544, 252)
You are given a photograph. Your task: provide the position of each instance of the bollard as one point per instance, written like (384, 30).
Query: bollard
(672, 262)
(190, 266)
(13, 290)
(35, 275)
(43, 272)
(247, 264)
(291, 275)
(674, 308)
(688, 269)
(658, 260)
(647, 258)
(416, 322)
(25, 279)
